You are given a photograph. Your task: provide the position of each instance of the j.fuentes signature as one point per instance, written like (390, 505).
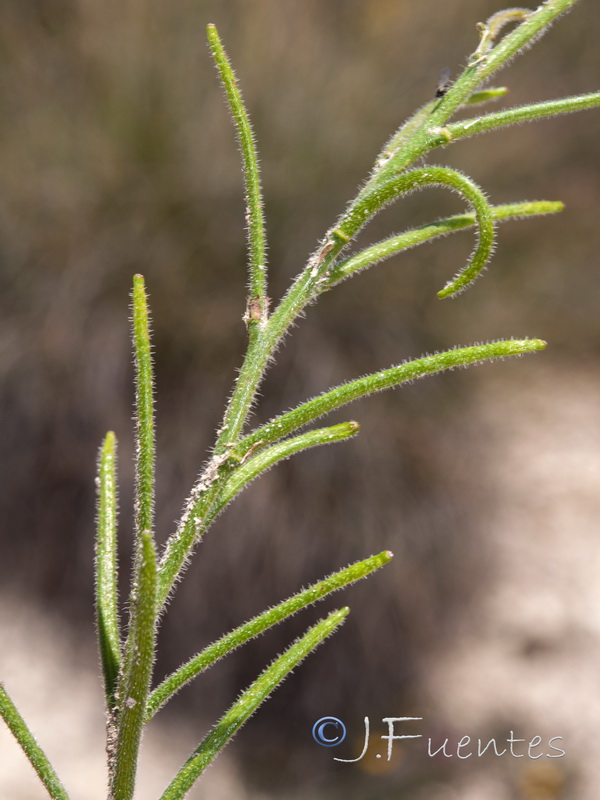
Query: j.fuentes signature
(331, 732)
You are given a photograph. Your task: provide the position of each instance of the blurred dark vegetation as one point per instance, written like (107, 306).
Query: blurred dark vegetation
(116, 157)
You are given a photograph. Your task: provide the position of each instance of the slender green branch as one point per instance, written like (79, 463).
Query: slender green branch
(481, 66)
(385, 192)
(408, 129)
(249, 630)
(424, 131)
(38, 759)
(107, 613)
(135, 684)
(512, 116)
(236, 461)
(144, 410)
(386, 379)
(373, 198)
(265, 459)
(420, 134)
(257, 308)
(256, 314)
(402, 137)
(206, 503)
(202, 506)
(426, 233)
(248, 702)
(193, 523)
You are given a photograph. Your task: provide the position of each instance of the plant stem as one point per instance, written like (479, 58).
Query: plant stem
(247, 704)
(424, 135)
(226, 644)
(384, 192)
(512, 116)
(137, 674)
(38, 759)
(420, 134)
(480, 68)
(285, 424)
(426, 233)
(265, 459)
(257, 306)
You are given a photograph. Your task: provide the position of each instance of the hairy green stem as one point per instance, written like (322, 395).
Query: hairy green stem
(426, 233)
(37, 758)
(512, 116)
(135, 684)
(411, 142)
(479, 69)
(386, 379)
(247, 704)
(230, 641)
(424, 135)
(208, 502)
(265, 459)
(384, 192)
(257, 305)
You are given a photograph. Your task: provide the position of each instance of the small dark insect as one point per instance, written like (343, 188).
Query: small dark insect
(444, 82)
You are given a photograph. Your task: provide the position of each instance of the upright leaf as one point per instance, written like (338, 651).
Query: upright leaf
(107, 614)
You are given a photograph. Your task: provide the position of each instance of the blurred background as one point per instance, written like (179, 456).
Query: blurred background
(117, 156)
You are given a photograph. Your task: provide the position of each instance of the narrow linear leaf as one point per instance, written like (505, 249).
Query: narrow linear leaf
(386, 379)
(257, 310)
(37, 758)
(265, 459)
(240, 635)
(513, 116)
(201, 512)
(483, 64)
(491, 54)
(203, 509)
(490, 30)
(144, 410)
(137, 674)
(385, 192)
(426, 233)
(107, 614)
(486, 96)
(248, 702)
